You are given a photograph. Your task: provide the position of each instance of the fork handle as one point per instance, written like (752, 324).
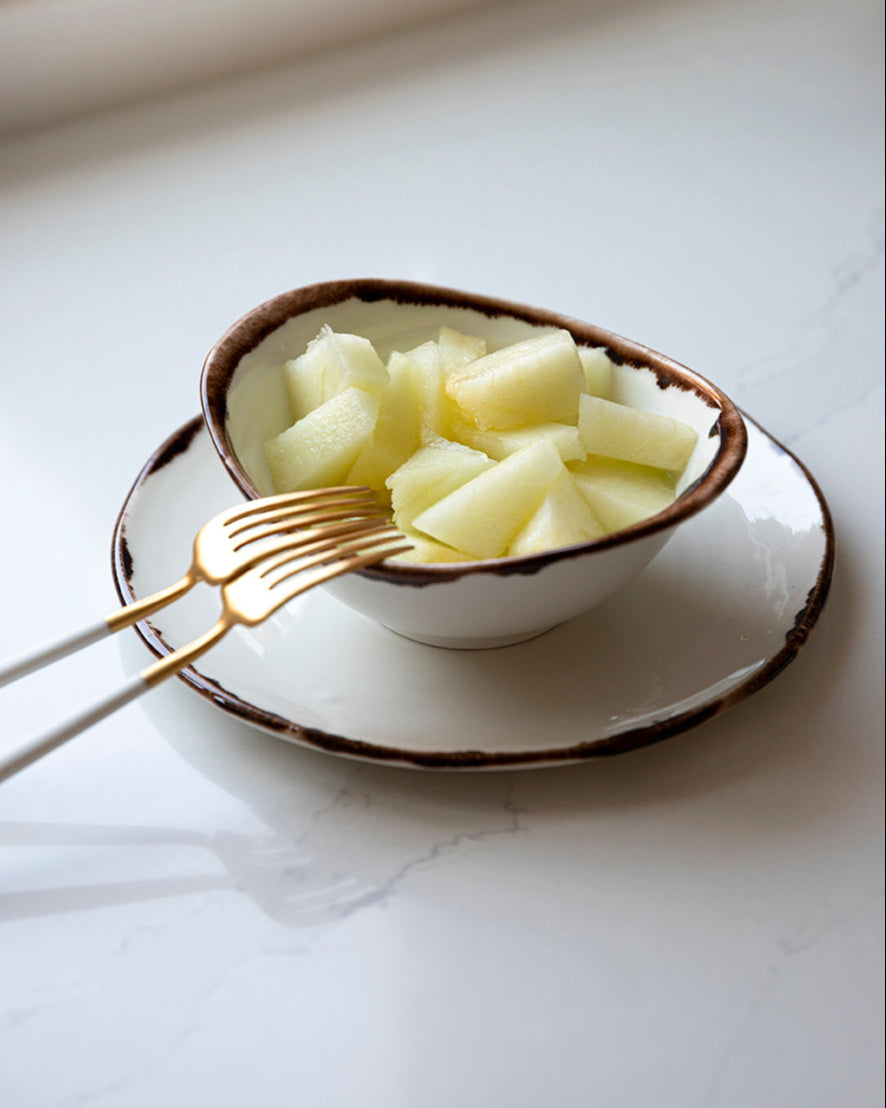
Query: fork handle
(27, 663)
(116, 621)
(47, 742)
(149, 677)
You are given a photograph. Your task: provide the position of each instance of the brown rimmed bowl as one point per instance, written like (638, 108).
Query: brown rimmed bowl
(486, 603)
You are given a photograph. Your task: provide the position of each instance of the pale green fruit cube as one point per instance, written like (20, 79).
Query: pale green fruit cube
(433, 472)
(332, 363)
(320, 449)
(425, 550)
(617, 431)
(563, 518)
(437, 408)
(622, 493)
(499, 444)
(597, 367)
(397, 432)
(536, 381)
(458, 349)
(427, 354)
(305, 385)
(483, 516)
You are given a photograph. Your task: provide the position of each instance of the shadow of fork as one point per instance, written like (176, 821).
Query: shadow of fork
(278, 876)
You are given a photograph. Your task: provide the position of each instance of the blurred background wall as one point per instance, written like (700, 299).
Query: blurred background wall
(60, 58)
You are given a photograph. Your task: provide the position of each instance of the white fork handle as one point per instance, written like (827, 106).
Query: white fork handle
(43, 744)
(12, 671)
(116, 621)
(149, 677)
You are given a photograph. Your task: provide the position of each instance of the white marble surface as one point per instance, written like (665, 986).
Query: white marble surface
(194, 913)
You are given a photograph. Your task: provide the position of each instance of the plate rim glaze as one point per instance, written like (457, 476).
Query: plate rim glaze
(632, 738)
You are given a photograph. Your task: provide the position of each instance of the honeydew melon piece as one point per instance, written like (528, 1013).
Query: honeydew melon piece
(563, 518)
(331, 363)
(320, 449)
(483, 516)
(534, 381)
(458, 349)
(425, 550)
(427, 354)
(432, 472)
(597, 367)
(499, 444)
(617, 431)
(436, 408)
(397, 432)
(622, 493)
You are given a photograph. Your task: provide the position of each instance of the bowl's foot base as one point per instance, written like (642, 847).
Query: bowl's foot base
(470, 643)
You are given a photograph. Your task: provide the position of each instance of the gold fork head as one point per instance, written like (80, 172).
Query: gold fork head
(253, 596)
(236, 539)
(261, 590)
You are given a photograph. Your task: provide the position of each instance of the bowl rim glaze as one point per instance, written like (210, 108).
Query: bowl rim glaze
(261, 321)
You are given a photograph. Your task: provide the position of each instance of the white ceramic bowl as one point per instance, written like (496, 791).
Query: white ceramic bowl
(480, 603)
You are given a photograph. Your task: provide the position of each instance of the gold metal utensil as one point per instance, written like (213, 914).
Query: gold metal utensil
(228, 544)
(273, 572)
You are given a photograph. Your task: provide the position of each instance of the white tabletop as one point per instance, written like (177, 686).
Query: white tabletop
(193, 912)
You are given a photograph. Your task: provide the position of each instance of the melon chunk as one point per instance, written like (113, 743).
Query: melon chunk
(534, 381)
(597, 366)
(397, 432)
(437, 409)
(498, 444)
(320, 449)
(617, 431)
(622, 493)
(433, 472)
(483, 516)
(458, 349)
(563, 518)
(332, 363)
(427, 550)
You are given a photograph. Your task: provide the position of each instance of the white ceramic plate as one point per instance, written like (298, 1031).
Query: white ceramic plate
(722, 610)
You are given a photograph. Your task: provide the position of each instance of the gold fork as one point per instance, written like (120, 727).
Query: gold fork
(248, 599)
(231, 542)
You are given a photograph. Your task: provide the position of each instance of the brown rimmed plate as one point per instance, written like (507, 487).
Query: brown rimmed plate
(721, 612)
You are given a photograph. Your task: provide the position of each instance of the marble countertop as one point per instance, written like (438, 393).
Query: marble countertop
(193, 912)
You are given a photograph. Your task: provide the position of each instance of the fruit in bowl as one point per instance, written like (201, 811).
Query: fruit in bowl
(478, 454)
(535, 462)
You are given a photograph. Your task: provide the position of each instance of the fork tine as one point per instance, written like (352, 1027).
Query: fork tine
(274, 507)
(307, 497)
(328, 534)
(301, 495)
(289, 562)
(300, 543)
(283, 519)
(296, 582)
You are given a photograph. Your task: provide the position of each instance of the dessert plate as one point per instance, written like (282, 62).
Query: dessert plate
(722, 610)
